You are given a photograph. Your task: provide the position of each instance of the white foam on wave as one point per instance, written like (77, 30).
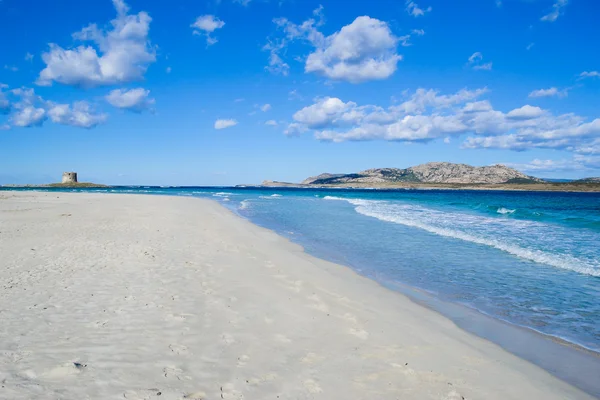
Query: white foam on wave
(222, 194)
(276, 195)
(244, 204)
(440, 223)
(503, 210)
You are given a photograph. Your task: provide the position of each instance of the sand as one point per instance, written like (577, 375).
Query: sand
(152, 297)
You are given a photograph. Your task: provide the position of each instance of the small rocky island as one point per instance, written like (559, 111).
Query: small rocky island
(443, 175)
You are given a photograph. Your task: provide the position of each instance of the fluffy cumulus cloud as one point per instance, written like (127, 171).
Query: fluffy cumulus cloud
(136, 100)
(413, 9)
(550, 92)
(427, 115)
(362, 51)
(557, 10)
(265, 107)
(31, 110)
(225, 123)
(205, 25)
(117, 54)
(476, 62)
(80, 114)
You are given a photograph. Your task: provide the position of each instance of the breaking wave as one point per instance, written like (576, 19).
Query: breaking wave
(493, 232)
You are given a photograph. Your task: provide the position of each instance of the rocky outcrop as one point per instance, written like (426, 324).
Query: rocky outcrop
(435, 172)
(310, 179)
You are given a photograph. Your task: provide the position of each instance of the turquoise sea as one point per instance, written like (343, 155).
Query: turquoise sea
(531, 259)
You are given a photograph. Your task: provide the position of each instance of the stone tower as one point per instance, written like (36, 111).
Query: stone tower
(69, 177)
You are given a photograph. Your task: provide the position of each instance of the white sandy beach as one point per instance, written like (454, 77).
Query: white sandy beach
(150, 297)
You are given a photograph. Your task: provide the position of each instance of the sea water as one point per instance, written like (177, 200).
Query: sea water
(531, 259)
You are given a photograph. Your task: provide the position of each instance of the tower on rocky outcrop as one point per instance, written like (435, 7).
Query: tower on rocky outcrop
(69, 177)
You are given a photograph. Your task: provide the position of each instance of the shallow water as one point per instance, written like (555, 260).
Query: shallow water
(531, 259)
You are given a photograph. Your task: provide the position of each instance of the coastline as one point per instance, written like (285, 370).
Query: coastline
(533, 187)
(313, 298)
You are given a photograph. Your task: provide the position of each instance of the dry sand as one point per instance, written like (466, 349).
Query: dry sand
(150, 297)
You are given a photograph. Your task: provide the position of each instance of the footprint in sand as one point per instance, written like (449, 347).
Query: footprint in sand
(242, 360)
(178, 349)
(64, 371)
(311, 358)
(311, 386)
(359, 333)
(228, 391)
(175, 317)
(144, 394)
(195, 396)
(318, 304)
(174, 373)
(227, 338)
(454, 395)
(269, 377)
(98, 324)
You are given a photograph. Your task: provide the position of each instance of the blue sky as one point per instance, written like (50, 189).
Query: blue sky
(191, 92)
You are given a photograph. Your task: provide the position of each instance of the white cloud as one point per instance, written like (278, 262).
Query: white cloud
(361, 51)
(405, 39)
(206, 25)
(225, 123)
(265, 107)
(242, 2)
(80, 114)
(413, 9)
(550, 92)
(525, 112)
(122, 53)
(136, 100)
(4, 127)
(589, 74)
(530, 45)
(11, 68)
(276, 64)
(32, 110)
(428, 115)
(576, 163)
(498, 3)
(557, 10)
(27, 116)
(476, 62)
(168, 70)
(28, 56)
(271, 122)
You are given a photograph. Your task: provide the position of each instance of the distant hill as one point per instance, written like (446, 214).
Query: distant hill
(588, 180)
(434, 172)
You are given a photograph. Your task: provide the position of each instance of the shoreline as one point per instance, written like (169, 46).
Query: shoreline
(565, 187)
(555, 349)
(344, 278)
